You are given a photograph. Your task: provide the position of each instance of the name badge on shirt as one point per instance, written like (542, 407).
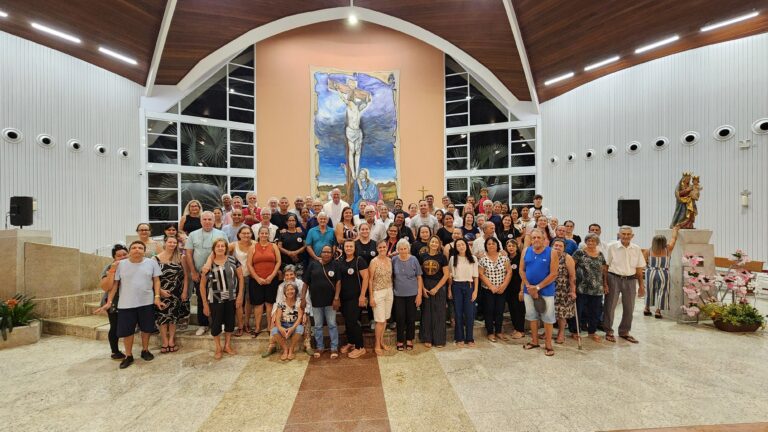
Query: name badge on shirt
(331, 273)
(373, 253)
(510, 235)
(350, 271)
(514, 266)
(299, 239)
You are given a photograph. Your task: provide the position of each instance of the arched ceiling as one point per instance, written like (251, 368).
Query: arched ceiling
(558, 36)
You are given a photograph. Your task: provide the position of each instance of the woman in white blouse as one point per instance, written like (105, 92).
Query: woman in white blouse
(463, 267)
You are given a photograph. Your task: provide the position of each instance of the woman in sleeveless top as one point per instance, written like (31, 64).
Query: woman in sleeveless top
(657, 274)
(264, 263)
(565, 291)
(173, 292)
(221, 293)
(381, 294)
(346, 229)
(190, 220)
(239, 250)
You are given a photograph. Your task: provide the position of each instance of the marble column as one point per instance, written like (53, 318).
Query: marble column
(695, 241)
(12, 258)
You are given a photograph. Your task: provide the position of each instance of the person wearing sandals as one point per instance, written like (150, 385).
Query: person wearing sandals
(625, 269)
(239, 249)
(495, 273)
(289, 316)
(353, 275)
(289, 277)
(263, 266)
(592, 277)
(174, 290)
(408, 288)
(516, 306)
(464, 284)
(538, 271)
(381, 294)
(323, 287)
(119, 253)
(565, 289)
(222, 291)
(657, 273)
(434, 266)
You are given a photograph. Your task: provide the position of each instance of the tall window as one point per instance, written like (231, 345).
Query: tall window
(203, 146)
(486, 146)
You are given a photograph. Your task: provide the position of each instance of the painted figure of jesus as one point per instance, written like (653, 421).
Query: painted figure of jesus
(356, 101)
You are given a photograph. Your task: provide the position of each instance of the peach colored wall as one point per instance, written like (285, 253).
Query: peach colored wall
(283, 102)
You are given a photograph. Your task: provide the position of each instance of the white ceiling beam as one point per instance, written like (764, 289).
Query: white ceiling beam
(521, 51)
(170, 8)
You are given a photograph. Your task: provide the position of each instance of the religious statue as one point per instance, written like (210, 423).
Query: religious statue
(686, 194)
(356, 100)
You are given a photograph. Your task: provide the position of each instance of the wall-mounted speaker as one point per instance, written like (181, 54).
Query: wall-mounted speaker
(629, 212)
(21, 211)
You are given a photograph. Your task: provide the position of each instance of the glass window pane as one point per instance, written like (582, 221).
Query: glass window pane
(523, 160)
(241, 194)
(163, 213)
(456, 107)
(203, 146)
(207, 189)
(458, 198)
(523, 196)
(162, 196)
(174, 109)
(209, 100)
(241, 73)
(523, 147)
(158, 228)
(241, 183)
(161, 127)
(457, 94)
(240, 116)
(452, 66)
(162, 157)
(523, 182)
(455, 80)
(241, 149)
(241, 87)
(498, 187)
(456, 184)
(485, 108)
(456, 164)
(240, 136)
(454, 152)
(240, 101)
(245, 58)
(241, 162)
(163, 180)
(522, 134)
(161, 142)
(456, 121)
(488, 150)
(453, 140)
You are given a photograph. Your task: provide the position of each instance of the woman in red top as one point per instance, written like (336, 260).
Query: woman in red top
(263, 264)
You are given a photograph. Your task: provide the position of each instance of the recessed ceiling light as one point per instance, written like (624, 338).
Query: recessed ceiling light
(463, 135)
(352, 19)
(730, 21)
(54, 32)
(559, 78)
(601, 63)
(116, 55)
(3, 14)
(668, 40)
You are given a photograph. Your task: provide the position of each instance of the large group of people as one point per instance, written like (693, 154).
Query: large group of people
(289, 271)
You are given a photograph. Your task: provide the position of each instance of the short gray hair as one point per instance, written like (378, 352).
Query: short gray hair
(266, 210)
(591, 236)
(624, 228)
(290, 268)
(403, 242)
(322, 214)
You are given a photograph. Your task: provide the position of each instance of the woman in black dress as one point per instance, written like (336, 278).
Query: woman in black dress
(174, 288)
(434, 267)
(420, 245)
(516, 306)
(506, 230)
(445, 233)
(365, 248)
(292, 244)
(353, 272)
(190, 220)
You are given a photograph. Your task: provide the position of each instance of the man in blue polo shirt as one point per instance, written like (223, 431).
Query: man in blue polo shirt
(320, 236)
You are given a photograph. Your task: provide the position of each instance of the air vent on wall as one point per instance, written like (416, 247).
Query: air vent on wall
(689, 138)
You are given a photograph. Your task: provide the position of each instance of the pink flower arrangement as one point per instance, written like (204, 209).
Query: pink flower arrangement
(740, 257)
(694, 282)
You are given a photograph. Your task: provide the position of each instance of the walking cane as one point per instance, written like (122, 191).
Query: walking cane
(578, 330)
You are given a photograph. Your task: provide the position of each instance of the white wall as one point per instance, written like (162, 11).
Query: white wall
(696, 90)
(85, 200)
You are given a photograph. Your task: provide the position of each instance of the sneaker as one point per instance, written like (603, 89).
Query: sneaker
(200, 331)
(118, 356)
(126, 362)
(147, 356)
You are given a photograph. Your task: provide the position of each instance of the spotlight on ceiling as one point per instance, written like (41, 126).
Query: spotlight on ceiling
(559, 78)
(55, 32)
(352, 19)
(601, 63)
(116, 55)
(730, 21)
(657, 44)
(3, 14)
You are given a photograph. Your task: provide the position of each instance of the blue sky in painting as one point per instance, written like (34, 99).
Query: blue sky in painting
(379, 123)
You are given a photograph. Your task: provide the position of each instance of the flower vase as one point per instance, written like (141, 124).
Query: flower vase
(684, 318)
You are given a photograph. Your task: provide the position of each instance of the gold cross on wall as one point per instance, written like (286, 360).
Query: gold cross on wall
(422, 190)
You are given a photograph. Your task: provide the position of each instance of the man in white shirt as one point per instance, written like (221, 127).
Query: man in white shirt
(385, 216)
(334, 207)
(378, 229)
(478, 246)
(266, 217)
(423, 218)
(602, 246)
(625, 274)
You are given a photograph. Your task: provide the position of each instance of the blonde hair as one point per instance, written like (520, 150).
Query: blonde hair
(176, 255)
(186, 208)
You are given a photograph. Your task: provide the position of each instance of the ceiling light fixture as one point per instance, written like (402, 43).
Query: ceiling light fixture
(3, 14)
(601, 63)
(54, 32)
(730, 21)
(559, 78)
(352, 19)
(649, 47)
(118, 56)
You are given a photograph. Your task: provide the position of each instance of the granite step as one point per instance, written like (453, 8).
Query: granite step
(91, 306)
(87, 326)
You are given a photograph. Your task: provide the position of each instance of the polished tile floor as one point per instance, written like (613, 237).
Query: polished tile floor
(678, 375)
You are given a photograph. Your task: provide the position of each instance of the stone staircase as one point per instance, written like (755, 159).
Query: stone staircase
(96, 327)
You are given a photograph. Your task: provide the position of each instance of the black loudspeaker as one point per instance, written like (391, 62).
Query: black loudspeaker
(21, 211)
(629, 212)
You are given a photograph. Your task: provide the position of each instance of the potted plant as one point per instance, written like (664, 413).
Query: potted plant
(17, 314)
(734, 317)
